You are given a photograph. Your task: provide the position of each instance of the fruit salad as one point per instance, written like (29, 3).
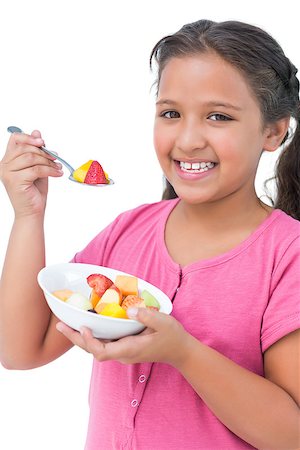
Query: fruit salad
(110, 298)
(91, 173)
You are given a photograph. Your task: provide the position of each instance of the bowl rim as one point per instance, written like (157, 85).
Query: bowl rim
(74, 308)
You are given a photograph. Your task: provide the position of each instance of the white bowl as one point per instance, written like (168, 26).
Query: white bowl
(73, 276)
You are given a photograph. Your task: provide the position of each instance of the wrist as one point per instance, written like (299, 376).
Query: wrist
(29, 218)
(185, 354)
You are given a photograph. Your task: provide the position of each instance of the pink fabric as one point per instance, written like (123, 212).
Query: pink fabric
(239, 303)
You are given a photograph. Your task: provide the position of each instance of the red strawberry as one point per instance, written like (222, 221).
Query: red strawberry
(95, 174)
(100, 283)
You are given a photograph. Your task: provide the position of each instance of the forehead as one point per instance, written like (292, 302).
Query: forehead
(204, 76)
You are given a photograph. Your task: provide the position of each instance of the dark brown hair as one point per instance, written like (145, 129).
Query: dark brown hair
(270, 74)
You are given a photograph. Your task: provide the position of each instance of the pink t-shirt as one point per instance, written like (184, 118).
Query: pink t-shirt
(238, 303)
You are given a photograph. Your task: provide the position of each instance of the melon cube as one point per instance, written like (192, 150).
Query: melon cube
(63, 294)
(127, 284)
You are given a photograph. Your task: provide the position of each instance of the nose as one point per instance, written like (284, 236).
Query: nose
(191, 136)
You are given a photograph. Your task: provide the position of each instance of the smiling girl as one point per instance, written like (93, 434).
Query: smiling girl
(223, 371)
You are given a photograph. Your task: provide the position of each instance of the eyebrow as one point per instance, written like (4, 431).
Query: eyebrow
(210, 104)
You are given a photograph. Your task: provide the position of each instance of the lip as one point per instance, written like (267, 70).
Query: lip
(193, 176)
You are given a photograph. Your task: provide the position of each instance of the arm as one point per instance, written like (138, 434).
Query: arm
(262, 411)
(27, 327)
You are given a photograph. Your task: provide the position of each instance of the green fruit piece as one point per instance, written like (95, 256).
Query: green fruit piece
(149, 299)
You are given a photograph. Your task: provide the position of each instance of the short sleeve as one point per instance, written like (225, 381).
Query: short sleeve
(282, 315)
(96, 249)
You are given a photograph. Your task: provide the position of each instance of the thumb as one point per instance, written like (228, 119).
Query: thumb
(36, 134)
(148, 317)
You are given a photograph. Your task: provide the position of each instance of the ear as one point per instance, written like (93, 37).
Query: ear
(275, 133)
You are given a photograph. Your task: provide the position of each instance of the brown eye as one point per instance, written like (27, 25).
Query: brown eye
(219, 117)
(171, 115)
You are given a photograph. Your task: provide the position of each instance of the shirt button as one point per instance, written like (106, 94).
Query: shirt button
(134, 403)
(142, 379)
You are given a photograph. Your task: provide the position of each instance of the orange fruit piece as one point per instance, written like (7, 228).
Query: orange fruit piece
(127, 284)
(94, 298)
(63, 294)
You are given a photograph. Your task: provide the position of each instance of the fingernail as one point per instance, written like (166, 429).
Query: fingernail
(132, 312)
(39, 141)
(59, 327)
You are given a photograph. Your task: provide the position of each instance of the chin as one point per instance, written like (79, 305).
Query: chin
(191, 196)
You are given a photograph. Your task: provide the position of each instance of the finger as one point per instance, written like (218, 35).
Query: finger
(15, 149)
(95, 346)
(146, 331)
(32, 174)
(30, 159)
(149, 317)
(87, 333)
(22, 138)
(25, 177)
(106, 349)
(127, 349)
(74, 336)
(36, 134)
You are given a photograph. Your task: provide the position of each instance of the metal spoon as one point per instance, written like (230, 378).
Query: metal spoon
(13, 129)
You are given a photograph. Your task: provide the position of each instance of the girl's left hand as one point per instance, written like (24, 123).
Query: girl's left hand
(163, 340)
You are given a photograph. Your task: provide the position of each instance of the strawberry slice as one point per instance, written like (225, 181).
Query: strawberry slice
(95, 174)
(100, 283)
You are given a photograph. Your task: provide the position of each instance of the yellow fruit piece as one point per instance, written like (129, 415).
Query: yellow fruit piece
(80, 173)
(106, 175)
(63, 294)
(128, 285)
(114, 310)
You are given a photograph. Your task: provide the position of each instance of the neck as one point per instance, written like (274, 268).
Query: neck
(229, 213)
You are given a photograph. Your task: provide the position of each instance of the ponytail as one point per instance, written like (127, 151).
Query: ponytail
(287, 177)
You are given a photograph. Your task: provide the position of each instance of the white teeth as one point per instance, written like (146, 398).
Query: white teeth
(197, 167)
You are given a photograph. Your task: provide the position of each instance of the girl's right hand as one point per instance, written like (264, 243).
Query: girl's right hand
(24, 171)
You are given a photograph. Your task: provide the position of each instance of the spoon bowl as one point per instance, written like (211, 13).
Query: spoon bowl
(13, 129)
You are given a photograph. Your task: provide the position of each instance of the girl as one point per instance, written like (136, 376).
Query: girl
(222, 371)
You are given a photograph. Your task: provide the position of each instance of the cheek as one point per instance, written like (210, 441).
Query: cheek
(236, 149)
(162, 141)
(239, 162)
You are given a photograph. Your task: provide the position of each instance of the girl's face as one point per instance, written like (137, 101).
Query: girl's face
(208, 131)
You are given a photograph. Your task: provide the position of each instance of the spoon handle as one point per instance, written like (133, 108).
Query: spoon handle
(14, 129)
(70, 168)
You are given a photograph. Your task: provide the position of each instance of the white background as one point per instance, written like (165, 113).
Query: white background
(78, 71)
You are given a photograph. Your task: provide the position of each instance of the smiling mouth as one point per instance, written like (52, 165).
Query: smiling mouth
(195, 167)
